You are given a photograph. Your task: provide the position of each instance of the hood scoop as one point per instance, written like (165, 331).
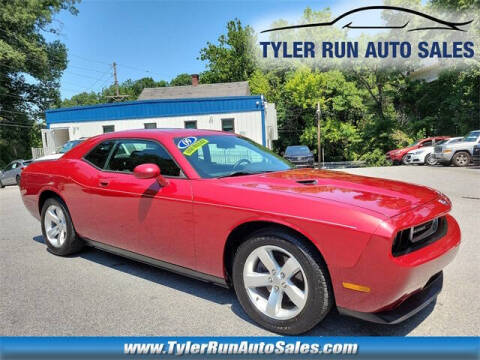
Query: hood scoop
(307, 182)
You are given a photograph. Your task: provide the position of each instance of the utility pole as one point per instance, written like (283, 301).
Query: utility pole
(319, 134)
(117, 96)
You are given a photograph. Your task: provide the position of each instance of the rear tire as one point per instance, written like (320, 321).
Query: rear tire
(461, 159)
(58, 230)
(17, 179)
(285, 301)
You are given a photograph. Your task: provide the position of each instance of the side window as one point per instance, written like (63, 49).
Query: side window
(9, 166)
(128, 154)
(427, 143)
(99, 155)
(108, 128)
(191, 124)
(228, 125)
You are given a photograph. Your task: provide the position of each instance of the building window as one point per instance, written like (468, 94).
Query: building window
(228, 125)
(191, 124)
(150, 125)
(108, 128)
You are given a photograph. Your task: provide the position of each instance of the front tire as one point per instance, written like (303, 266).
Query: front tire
(461, 159)
(404, 160)
(1, 185)
(430, 160)
(281, 283)
(58, 230)
(17, 180)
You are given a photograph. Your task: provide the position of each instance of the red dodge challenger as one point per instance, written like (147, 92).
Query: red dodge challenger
(223, 209)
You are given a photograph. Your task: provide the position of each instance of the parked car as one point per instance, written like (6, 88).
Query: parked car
(299, 155)
(66, 147)
(425, 155)
(476, 154)
(293, 243)
(12, 172)
(399, 156)
(459, 153)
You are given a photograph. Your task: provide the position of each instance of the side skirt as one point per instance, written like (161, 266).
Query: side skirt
(159, 263)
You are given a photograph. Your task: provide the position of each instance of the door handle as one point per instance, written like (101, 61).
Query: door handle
(104, 183)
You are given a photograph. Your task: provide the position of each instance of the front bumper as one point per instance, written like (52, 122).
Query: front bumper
(407, 308)
(415, 159)
(393, 279)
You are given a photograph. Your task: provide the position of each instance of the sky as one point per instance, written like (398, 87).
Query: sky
(159, 38)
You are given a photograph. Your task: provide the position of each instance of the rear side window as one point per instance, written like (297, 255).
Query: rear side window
(99, 155)
(128, 154)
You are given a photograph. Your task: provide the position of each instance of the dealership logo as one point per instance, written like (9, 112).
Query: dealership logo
(432, 24)
(186, 142)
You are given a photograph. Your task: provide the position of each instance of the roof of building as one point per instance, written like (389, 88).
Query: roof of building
(155, 109)
(239, 88)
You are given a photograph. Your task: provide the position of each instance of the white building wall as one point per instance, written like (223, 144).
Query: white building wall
(248, 124)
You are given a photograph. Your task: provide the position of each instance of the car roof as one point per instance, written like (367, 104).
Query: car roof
(160, 133)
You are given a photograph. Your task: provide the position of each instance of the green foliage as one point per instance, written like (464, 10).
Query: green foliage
(401, 139)
(376, 157)
(30, 69)
(181, 79)
(232, 59)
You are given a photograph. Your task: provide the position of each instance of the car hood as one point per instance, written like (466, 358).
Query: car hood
(386, 197)
(422, 150)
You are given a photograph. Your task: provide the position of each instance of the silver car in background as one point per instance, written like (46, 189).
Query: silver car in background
(459, 153)
(12, 172)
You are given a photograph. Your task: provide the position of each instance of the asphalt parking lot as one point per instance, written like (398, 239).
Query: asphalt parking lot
(95, 293)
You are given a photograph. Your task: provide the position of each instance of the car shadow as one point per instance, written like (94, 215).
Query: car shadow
(333, 325)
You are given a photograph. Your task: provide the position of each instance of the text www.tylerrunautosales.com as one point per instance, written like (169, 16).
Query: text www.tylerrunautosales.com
(179, 348)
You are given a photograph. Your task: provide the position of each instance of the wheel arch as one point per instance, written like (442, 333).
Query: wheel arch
(242, 232)
(47, 194)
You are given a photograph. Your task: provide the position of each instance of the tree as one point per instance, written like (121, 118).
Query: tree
(181, 79)
(30, 69)
(233, 58)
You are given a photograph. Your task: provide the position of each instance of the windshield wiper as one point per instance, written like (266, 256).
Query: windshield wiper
(236, 173)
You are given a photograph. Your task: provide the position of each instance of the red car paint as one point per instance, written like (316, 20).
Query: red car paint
(351, 219)
(397, 155)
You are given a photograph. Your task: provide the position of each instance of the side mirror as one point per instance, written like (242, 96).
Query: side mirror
(149, 171)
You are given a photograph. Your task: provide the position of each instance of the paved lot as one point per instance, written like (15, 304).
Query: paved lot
(95, 293)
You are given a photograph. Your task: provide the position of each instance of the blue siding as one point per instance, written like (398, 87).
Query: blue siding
(156, 108)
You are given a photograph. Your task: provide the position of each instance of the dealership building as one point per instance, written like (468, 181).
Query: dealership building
(224, 106)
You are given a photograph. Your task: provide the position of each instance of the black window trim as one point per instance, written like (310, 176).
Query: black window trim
(116, 140)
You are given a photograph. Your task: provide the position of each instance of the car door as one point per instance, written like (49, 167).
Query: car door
(8, 176)
(140, 215)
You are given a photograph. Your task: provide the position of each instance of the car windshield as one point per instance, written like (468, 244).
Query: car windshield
(214, 156)
(69, 146)
(297, 150)
(472, 136)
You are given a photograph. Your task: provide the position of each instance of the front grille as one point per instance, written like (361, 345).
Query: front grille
(438, 149)
(419, 236)
(476, 151)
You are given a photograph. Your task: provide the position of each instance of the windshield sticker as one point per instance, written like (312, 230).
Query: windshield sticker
(194, 147)
(186, 142)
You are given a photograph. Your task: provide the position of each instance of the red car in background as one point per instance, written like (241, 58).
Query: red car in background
(398, 156)
(292, 243)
